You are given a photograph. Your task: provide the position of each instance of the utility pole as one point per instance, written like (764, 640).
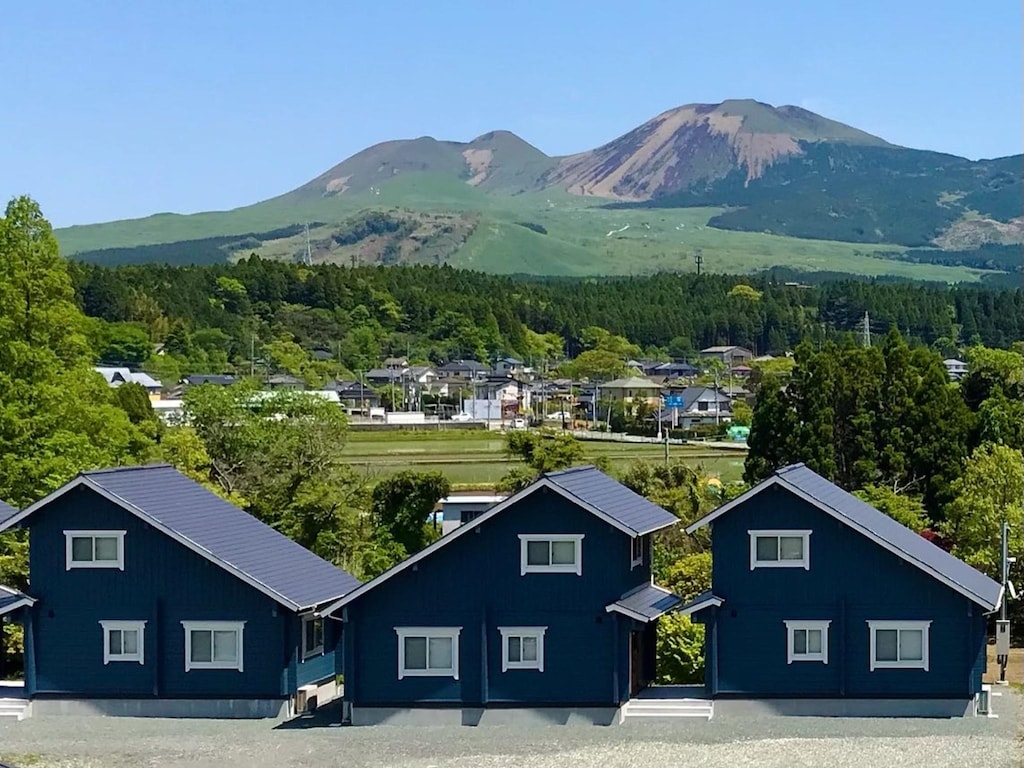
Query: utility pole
(698, 259)
(1003, 624)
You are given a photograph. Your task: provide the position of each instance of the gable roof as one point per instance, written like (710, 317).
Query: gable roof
(645, 603)
(877, 526)
(215, 529)
(631, 382)
(11, 599)
(587, 487)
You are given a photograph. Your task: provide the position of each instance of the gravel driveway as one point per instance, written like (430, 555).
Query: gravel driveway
(729, 743)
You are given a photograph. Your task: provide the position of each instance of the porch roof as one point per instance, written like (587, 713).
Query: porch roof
(11, 600)
(645, 603)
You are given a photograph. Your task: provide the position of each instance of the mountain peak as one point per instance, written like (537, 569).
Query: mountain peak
(693, 143)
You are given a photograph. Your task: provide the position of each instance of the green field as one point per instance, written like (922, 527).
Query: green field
(477, 459)
(583, 237)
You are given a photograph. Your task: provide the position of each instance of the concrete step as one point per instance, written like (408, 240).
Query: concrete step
(17, 708)
(667, 708)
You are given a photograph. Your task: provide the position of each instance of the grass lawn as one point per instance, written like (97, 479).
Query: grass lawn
(1014, 670)
(477, 458)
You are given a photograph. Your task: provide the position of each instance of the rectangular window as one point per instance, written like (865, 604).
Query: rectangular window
(636, 551)
(522, 648)
(213, 644)
(312, 636)
(94, 549)
(428, 651)
(807, 641)
(551, 553)
(899, 644)
(123, 641)
(780, 549)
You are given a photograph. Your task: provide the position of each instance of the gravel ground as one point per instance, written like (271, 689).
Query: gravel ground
(763, 742)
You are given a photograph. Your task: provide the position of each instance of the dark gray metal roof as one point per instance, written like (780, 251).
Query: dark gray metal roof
(594, 489)
(11, 599)
(226, 534)
(646, 603)
(905, 542)
(6, 511)
(705, 599)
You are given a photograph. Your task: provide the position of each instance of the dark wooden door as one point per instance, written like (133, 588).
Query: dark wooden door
(636, 663)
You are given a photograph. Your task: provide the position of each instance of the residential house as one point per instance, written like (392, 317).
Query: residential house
(632, 391)
(543, 602)
(673, 371)
(117, 376)
(421, 375)
(354, 395)
(702, 405)
(152, 596)
(217, 379)
(516, 396)
(822, 605)
(396, 363)
(466, 370)
(956, 369)
(380, 377)
(510, 366)
(730, 355)
(285, 381)
(461, 508)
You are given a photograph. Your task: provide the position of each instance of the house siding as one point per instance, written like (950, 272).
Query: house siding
(163, 583)
(851, 580)
(474, 583)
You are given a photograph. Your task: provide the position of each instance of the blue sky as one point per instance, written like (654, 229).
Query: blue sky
(125, 108)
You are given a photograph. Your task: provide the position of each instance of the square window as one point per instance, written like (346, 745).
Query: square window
(780, 549)
(636, 551)
(522, 648)
(550, 553)
(312, 636)
(94, 549)
(123, 641)
(899, 644)
(213, 645)
(807, 641)
(428, 651)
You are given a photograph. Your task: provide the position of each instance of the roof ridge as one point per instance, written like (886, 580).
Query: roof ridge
(569, 470)
(128, 468)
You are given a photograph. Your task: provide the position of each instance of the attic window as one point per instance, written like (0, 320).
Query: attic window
(780, 549)
(636, 551)
(94, 549)
(551, 553)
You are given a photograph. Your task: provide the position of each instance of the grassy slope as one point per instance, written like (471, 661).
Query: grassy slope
(577, 243)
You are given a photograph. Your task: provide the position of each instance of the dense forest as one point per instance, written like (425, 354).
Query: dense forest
(359, 315)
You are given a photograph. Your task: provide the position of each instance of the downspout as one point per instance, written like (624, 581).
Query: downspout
(30, 652)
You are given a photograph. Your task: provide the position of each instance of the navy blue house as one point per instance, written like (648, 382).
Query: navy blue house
(543, 602)
(821, 604)
(150, 595)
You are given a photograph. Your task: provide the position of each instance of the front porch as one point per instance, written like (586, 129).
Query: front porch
(669, 701)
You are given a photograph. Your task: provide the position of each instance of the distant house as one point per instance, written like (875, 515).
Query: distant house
(673, 371)
(510, 365)
(632, 391)
(217, 379)
(956, 369)
(461, 508)
(729, 355)
(516, 396)
(379, 377)
(543, 602)
(703, 405)
(421, 374)
(825, 606)
(285, 381)
(151, 596)
(396, 363)
(467, 370)
(354, 395)
(115, 377)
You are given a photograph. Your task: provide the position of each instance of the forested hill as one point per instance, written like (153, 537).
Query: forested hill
(439, 313)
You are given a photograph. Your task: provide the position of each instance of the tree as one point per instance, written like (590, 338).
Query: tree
(595, 365)
(680, 650)
(905, 510)
(57, 416)
(403, 503)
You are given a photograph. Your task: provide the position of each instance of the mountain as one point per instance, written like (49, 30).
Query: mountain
(748, 184)
(690, 145)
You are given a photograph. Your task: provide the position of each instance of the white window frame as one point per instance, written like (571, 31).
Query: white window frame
(635, 558)
(124, 626)
(923, 626)
(428, 632)
(214, 626)
(526, 538)
(509, 632)
(309, 621)
(794, 625)
(804, 562)
(71, 564)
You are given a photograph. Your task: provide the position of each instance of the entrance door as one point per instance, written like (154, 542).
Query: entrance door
(636, 663)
